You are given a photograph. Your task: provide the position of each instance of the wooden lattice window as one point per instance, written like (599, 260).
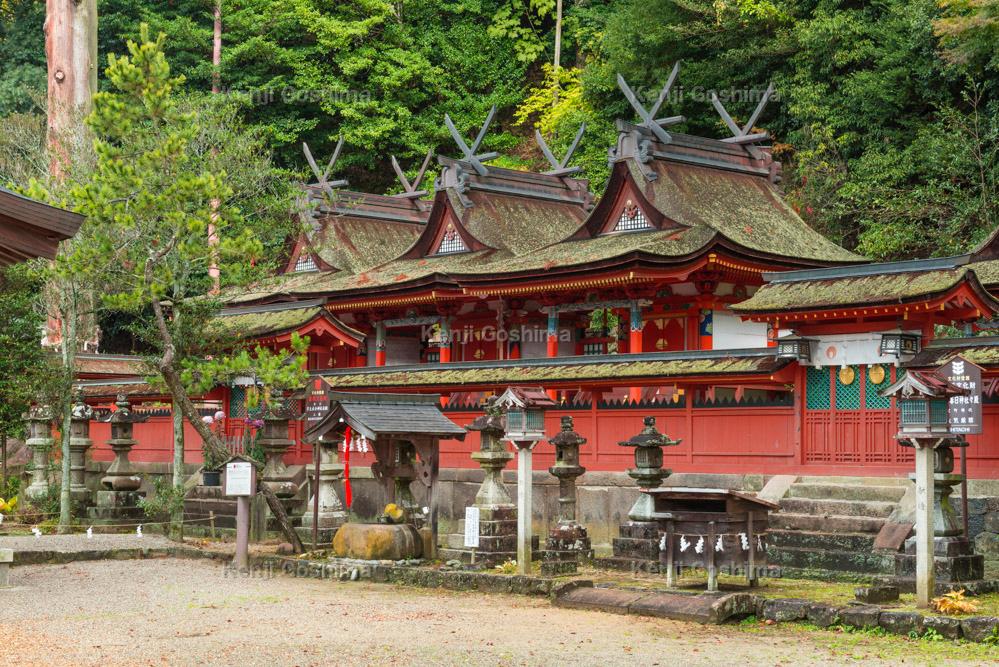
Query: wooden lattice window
(593, 348)
(632, 219)
(817, 389)
(451, 243)
(305, 264)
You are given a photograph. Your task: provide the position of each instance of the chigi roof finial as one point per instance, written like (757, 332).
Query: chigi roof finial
(648, 116)
(560, 167)
(412, 190)
(741, 135)
(322, 177)
(471, 153)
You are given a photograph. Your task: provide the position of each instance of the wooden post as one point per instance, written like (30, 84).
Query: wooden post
(211, 522)
(669, 553)
(712, 570)
(635, 344)
(751, 577)
(524, 506)
(924, 526)
(242, 532)
(3, 456)
(380, 344)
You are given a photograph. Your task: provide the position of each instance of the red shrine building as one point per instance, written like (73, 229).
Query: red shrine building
(690, 291)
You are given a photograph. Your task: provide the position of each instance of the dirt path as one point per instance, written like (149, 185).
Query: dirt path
(180, 612)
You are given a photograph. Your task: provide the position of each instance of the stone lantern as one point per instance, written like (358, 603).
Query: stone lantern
(938, 549)
(40, 441)
(275, 442)
(118, 500)
(328, 513)
(567, 540)
(120, 475)
(79, 443)
(497, 512)
(648, 471)
(525, 427)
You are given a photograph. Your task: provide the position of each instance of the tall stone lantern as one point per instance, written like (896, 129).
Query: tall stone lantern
(940, 548)
(525, 427)
(118, 499)
(40, 441)
(567, 540)
(497, 512)
(648, 471)
(275, 442)
(79, 444)
(326, 511)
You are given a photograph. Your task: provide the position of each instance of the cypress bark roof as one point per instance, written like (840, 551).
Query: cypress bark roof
(983, 350)
(377, 415)
(273, 321)
(866, 290)
(572, 369)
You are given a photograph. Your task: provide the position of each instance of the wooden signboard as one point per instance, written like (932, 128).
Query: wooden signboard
(317, 402)
(965, 412)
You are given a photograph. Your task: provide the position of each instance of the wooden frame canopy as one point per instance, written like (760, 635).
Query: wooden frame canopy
(30, 229)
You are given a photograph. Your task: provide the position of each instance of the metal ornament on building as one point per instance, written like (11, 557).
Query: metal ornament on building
(793, 347)
(899, 344)
(847, 375)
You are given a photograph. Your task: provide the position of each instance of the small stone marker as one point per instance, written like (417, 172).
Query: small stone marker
(6, 558)
(876, 594)
(472, 526)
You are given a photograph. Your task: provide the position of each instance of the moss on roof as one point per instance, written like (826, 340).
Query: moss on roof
(857, 291)
(518, 224)
(987, 272)
(744, 208)
(353, 244)
(483, 373)
(982, 351)
(256, 324)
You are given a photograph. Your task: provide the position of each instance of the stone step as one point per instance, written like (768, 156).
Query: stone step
(803, 539)
(836, 507)
(865, 562)
(903, 482)
(825, 523)
(867, 492)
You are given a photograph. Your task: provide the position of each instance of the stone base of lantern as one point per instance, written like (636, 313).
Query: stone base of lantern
(497, 539)
(638, 541)
(954, 561)
(567, 545)
(115, 507)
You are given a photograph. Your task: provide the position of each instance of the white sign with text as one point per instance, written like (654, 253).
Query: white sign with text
(472, 527)
(239, 478)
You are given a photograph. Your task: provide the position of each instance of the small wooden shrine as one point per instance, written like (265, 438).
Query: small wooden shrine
(711, 529)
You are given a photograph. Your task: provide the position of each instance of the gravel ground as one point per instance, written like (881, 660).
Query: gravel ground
(79, 542)
(187, 612)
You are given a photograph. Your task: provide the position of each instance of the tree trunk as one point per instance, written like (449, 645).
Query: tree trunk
(277, 509)
(168, 370)
(177, 520)
(71, 54)
(68, 329)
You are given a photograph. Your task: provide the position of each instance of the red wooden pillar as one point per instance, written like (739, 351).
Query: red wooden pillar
(552, 342)
(445, 347)
(635, 343)
(380, 344)
(692, 329)
(705, 324)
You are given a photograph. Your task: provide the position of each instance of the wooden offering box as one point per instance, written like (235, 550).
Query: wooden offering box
(712, 529)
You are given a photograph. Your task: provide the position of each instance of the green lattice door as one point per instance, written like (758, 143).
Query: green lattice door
(846, 421)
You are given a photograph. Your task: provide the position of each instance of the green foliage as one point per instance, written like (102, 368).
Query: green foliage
(165, 500)
(522, 21)
(274, 373)
(26, 371)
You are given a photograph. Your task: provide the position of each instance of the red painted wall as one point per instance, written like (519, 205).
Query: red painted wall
(724, 440)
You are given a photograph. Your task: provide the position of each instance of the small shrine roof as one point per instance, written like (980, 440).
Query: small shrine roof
(115, 365)
(375, 415)
(982, 350)
(571, 369)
